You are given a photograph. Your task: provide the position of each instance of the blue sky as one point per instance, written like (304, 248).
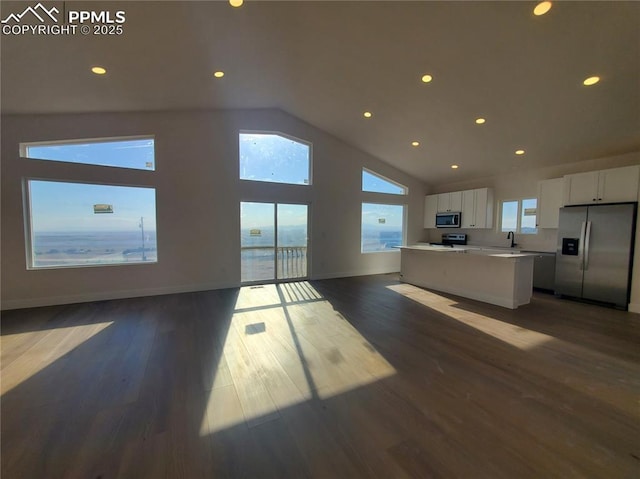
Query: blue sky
(392, 216)
(58, 206)
(371, 182)
(273, 158)
(510, 215)
(260, 215)
(138, 153)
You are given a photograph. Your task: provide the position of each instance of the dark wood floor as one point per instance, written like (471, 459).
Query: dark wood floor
(358, 377)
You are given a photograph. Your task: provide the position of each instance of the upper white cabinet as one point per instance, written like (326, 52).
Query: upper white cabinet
(450, 202)
(616, 185)
(430, 210)
(549, 202)
(477, 208)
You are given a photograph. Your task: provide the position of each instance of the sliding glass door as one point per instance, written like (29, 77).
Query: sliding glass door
(273, 241)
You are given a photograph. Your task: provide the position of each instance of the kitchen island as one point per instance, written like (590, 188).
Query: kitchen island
(489, 275)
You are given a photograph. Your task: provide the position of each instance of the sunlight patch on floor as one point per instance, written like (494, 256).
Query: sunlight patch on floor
(40, 355)
(517, 336)
(277, 356)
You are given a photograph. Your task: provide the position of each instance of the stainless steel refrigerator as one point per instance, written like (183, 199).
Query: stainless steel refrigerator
(595, 252)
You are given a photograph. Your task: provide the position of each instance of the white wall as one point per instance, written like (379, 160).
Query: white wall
(198, 195)
(520, 184)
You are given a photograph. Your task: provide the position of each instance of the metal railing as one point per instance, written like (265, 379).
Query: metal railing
(261, 262)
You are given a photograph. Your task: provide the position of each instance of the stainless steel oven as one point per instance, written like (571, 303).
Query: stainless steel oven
(449, 220)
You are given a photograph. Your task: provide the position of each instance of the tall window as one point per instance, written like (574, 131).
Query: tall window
(274, 158)
(89, 224)
(519, 216)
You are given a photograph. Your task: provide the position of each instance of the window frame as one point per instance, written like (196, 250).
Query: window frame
(24, 146)
(29, 233)
(404, 225)
(518, 229)
(74, 175)
(287, 136)
(405, 189)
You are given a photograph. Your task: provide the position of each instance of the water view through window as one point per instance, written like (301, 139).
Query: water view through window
(382, 227)
(81, 224)
(267, 252)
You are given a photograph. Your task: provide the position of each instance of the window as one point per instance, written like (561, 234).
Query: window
(519, 216)
(382, 227)
(274, 158)
(379, 184)
(132, 152)
(86, 224)
(80, 224)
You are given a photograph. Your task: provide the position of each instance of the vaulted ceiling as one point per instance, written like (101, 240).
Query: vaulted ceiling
(328, 62)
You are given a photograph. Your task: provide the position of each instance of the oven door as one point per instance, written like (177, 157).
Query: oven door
(448, 220)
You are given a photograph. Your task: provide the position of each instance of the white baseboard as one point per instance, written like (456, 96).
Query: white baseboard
(107, 295)
(351, 274)
(9, 304)
(634, 307)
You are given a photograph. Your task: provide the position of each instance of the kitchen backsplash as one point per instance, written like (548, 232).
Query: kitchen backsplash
(545, 240)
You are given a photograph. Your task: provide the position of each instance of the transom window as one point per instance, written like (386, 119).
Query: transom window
(519, 216)
(376, 183)
(274, 158)
(125, 152)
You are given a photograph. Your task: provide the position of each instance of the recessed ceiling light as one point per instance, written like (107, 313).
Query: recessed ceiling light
(427, 78)
(519, 152)
(454, 167)
(236, 3)
(99, 70)
(367, 114)
(480, 121)
(542, 8)
(415, 143)
(591, 81)
(218, 74)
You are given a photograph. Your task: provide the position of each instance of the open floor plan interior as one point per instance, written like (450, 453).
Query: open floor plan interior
(320, 239)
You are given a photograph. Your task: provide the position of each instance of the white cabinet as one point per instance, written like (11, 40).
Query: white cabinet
(477, 208)
(549, 202)
(616, 185)
(450, 202)
(430, 210)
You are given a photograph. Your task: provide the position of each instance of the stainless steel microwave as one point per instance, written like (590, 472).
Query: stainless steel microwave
(449, 220)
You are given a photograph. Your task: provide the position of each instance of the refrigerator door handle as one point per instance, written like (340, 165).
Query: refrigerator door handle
(586, 246)
(581, 245)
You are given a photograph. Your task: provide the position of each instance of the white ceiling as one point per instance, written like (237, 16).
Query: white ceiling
(328, 62)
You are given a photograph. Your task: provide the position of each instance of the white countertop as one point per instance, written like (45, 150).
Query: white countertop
(474, 250)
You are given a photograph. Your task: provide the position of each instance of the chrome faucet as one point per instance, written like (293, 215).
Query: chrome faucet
(512, 235)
